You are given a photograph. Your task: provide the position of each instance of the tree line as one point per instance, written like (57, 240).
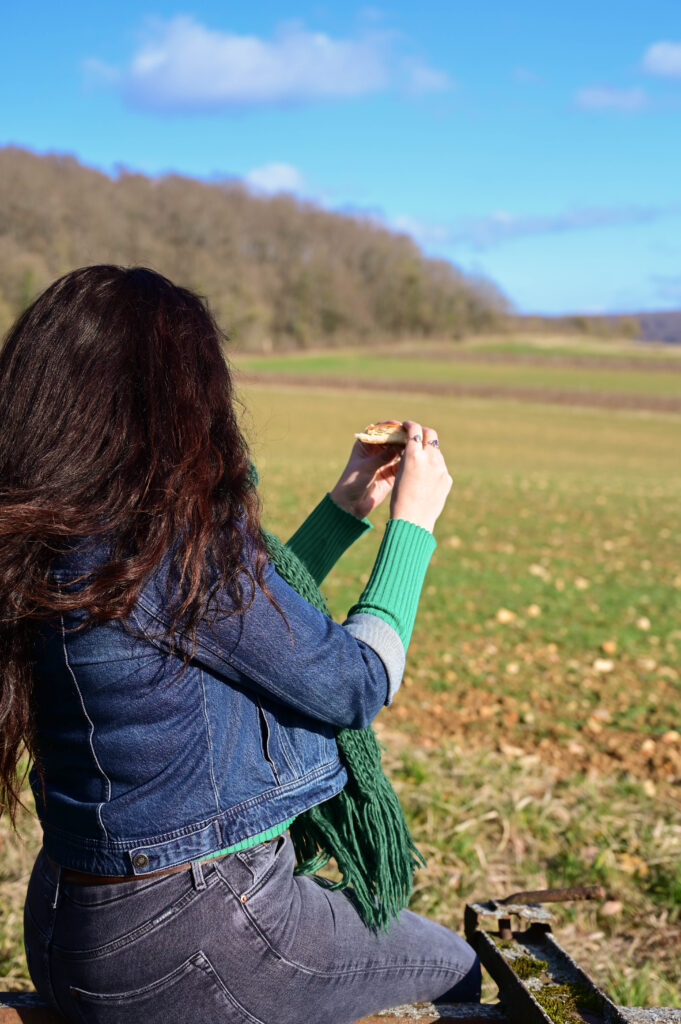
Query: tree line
(278, 272)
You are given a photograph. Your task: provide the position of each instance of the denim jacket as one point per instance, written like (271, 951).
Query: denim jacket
(147, 765)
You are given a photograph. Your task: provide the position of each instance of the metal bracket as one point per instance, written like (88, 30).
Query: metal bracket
(534, 973)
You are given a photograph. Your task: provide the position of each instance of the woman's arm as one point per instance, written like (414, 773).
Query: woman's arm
(301, 658)
(327, 532)
(340, 518)
(339, 674)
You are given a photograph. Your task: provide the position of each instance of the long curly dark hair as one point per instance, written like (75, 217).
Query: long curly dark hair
(117, 420)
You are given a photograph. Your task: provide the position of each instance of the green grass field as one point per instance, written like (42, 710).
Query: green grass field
(534, 741)
(562, 344)
(625, 371)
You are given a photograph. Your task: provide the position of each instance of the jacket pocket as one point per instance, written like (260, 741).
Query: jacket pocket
(265, 738)
(193, 991)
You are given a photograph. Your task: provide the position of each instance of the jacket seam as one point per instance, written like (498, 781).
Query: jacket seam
(287, 753)
(147, 635)
(91, 734)
(210, 744)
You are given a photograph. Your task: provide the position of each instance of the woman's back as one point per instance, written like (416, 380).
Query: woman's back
(145, 753)
(179, 699)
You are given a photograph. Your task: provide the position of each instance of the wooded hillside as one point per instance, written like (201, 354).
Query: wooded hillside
(277, 271)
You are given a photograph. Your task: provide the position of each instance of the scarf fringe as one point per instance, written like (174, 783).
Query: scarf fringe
(363, 827)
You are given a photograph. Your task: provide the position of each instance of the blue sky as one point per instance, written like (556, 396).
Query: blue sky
(536, 143)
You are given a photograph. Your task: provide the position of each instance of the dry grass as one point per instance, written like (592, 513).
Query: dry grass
(17, 853)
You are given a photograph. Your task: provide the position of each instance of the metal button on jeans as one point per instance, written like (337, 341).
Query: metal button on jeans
(140, 860)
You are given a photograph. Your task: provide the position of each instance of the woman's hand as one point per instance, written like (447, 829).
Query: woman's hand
(367, 479)
(422, 483)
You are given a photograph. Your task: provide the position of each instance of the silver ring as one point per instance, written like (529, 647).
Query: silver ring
(435, 443)
(416, 437)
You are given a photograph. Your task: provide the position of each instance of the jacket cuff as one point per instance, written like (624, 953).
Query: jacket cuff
(327, 532)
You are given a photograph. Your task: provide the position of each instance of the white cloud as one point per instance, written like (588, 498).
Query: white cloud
(486, 232)
(604, 98)
(185, 66)
(423, 232)
(275, 178)
(419, 78)
(663, 58)
(503, 226)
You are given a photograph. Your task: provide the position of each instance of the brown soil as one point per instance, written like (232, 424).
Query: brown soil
(588, 399)
(591, 362)
(481, 720)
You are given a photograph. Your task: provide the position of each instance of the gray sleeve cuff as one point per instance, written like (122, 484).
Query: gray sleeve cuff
(385, 641)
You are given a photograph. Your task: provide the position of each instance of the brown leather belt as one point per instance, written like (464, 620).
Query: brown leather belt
(82, 878)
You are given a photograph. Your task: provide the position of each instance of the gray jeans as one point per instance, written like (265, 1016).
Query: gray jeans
(237, 940)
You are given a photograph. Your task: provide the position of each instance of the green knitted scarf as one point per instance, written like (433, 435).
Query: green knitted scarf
(362, 827)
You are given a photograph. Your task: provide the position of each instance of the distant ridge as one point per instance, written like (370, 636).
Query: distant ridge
(664, 326)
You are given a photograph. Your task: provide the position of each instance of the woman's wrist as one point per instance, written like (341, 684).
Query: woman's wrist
(424, 522)
(326, 533)
(340, 498)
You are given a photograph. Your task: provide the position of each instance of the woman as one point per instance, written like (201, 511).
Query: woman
(178, 698)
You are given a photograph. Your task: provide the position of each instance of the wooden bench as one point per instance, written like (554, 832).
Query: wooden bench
(27, 1008)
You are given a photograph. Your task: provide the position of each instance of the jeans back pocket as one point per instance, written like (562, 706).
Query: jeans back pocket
(193, 991)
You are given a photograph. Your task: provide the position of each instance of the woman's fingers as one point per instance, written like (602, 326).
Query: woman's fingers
(418, 434)
(414, 433)
(423, 481)
(375, 454)
(430, 438)
(367, 478)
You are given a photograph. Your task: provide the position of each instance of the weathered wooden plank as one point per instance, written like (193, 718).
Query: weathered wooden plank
(465, 1013)
(28, 1008)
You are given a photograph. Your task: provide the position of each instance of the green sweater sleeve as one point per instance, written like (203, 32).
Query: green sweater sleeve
(394, 586)
(326, 533)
